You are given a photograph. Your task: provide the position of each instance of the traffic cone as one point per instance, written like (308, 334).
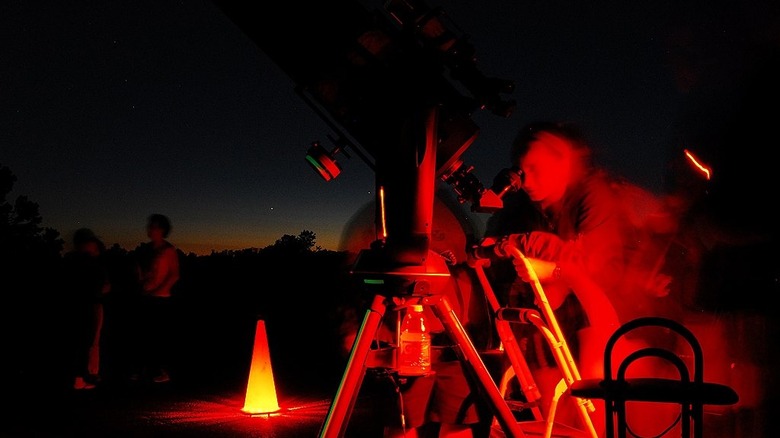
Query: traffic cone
(260, 390)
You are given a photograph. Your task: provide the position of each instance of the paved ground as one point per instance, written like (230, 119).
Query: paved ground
(187, 410)
(166, 410)
(46, 408)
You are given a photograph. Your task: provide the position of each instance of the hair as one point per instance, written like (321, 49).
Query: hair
(162, 221)
(565, 130)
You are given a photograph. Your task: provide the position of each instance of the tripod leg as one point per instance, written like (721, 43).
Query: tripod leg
(336, 421)
(470, 356)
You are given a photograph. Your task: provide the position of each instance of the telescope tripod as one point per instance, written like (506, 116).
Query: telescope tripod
(341, 407)
(337, 418)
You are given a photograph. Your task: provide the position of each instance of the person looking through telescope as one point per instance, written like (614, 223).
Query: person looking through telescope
(578, 226)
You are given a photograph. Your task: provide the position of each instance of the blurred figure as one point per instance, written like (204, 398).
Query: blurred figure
(87, 283)
(157, 269)
(586, 240)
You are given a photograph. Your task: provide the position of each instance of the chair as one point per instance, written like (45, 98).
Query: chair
(688, 389)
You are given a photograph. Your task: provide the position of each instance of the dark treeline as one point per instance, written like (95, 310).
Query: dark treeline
(298, 289)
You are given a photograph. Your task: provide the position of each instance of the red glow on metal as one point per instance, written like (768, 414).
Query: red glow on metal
(382, 212)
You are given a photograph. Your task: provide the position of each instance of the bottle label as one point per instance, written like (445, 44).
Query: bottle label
(414, 356)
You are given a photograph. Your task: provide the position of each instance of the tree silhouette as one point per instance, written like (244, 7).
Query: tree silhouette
(292, 245)
(29, 266)
(21, 236)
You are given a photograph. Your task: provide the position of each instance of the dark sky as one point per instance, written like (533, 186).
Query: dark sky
(110, 111)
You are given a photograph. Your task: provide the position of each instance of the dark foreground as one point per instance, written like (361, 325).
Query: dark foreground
(213, 347)
(183, 407)
(189, 406)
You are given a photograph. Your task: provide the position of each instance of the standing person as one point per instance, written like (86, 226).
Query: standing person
(87, 283)
(157, 268)
(584, 243)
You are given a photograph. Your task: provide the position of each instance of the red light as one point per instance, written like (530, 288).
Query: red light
(703, 169)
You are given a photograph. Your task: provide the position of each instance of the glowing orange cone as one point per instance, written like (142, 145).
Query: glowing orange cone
(260, 390)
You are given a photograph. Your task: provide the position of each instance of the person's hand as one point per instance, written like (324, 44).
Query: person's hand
(542, 269)
(555, 290)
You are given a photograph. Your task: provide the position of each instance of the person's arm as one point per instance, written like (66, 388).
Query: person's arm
(165, 273)
(544, 269)
(541, 251)
(541, 248)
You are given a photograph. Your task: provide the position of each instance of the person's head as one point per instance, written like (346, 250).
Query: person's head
(549, 156)
(158, 226)
(85, 240)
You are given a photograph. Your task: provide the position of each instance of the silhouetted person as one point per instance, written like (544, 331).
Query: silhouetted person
(157, 268)
(87, 283)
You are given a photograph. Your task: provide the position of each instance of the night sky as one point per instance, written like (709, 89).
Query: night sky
(110, 111)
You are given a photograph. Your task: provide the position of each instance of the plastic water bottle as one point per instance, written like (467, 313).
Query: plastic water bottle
(414, 344)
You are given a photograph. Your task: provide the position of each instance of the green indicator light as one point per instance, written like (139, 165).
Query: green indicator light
(314, 163)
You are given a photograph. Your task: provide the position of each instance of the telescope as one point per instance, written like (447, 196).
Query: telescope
(373, 75)
(398, 87)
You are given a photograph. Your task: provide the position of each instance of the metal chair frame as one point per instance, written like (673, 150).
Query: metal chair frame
(690, 390)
